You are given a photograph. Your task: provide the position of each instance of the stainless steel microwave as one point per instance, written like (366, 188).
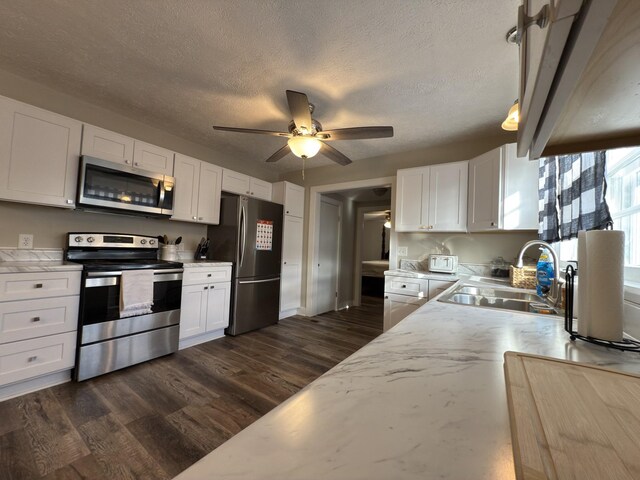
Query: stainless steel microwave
(108, 185)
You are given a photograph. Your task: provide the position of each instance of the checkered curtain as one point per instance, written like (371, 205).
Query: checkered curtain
(581, 203)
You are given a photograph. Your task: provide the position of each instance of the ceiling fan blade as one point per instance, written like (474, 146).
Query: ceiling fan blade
(279, 154)
(356, 133)
(252, 130)
(299, 107)
(334, 154)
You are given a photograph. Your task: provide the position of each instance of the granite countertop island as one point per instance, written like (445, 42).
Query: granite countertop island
(425, 400)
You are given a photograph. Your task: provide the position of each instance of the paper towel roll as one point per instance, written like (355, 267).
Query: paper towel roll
(605, 284)
(583, 289)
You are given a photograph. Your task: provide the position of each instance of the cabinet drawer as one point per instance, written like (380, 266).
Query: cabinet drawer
(31, 358)
(25, 286)
(36, 318)
(406, 286)
(197, 275)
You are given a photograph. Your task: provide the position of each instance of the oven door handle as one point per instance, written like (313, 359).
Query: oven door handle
(112, 279)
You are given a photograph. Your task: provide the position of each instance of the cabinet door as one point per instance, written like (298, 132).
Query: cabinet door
(39, 155)
(209, 193)
(260, 189)
(412, 199)
(100, 143)
(152, 158)
(218, 306)
(193, 310)
(484, 191)
(448, 197)
(187, 175)
(291, 274)
(235, 182)
(293, 200)
(520, 191)
(436, 287)
(397, 307)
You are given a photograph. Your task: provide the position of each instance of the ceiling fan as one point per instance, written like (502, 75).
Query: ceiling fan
(306, 137)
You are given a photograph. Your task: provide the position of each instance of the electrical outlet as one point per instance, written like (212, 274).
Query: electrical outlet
(402, 252)
(25, 241)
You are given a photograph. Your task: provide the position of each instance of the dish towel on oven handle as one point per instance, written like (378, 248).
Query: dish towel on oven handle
(136, 292)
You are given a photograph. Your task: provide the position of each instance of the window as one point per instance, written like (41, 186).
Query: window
(623, 198)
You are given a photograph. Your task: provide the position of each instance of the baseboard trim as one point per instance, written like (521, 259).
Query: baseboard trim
(198, 339)
(34, 384)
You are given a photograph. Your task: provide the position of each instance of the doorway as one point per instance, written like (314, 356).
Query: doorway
(349, 268)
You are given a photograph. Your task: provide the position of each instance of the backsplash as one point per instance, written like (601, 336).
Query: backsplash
(474, 250)
(34, 255)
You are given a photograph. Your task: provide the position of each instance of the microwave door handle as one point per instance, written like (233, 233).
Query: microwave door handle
(162, 193)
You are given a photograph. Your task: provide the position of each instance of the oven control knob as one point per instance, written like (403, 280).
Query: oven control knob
(143, 241)
(78, 239)
(151, 242)
(90, 239)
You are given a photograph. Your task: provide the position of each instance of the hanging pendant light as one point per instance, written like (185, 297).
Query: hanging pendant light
(510, 123)
(304, 146)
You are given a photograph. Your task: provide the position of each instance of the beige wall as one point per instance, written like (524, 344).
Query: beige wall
(371, 245)
(469, 247)
(44, 97)
(49, 225)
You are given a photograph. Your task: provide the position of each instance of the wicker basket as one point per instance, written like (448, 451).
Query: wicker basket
(524, 277)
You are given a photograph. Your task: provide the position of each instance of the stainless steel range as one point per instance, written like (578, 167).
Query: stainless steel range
(109, 339)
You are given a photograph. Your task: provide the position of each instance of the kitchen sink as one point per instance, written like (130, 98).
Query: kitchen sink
(515, 300)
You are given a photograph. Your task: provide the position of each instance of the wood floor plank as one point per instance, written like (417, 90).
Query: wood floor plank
(174, 452)
(153, 420)
(118, 452)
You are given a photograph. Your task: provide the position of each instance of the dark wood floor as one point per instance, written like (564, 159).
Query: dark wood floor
(152, 421)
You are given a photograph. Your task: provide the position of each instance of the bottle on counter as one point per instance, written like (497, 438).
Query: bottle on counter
(544, 273)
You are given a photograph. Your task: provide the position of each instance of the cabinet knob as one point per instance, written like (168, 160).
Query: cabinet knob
(251, 193)
(285, 263)
(35, 319)
(206, 288)
(38, 285)
(248, 192)
(195, 218)
(493, 224)
(69, 201)
(404, 286)
(199, 218)
(212, 287)
(430, 227)
(287, 211)
(208, 274)
(127, 161)
(32, 359)
(137, 164)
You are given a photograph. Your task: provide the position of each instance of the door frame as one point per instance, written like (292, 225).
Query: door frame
(339, 204)
(314, 229)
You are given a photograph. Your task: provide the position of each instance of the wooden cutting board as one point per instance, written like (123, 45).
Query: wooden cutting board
(571, 420)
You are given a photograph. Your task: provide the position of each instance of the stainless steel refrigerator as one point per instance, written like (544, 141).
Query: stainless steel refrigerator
(250, 236)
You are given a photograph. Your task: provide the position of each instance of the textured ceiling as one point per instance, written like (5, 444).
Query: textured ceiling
(436, 70)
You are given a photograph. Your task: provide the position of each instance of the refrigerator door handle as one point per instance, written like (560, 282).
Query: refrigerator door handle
(243, 235)
(243, 282)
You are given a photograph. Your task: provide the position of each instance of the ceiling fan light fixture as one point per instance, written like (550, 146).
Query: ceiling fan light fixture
(510, 123)
(304, 146)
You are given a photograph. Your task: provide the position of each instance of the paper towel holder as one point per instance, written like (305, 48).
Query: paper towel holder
(626, 344)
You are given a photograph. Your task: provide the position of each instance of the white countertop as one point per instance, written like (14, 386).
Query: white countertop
(452, 277)
(424, 400)
(42, 266)
(204, 263)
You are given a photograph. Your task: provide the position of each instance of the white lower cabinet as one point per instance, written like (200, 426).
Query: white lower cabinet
(404, 295)
(204, 310)
(38, 329)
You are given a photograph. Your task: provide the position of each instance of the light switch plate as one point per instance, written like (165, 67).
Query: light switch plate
(25, 241)
(402, 252)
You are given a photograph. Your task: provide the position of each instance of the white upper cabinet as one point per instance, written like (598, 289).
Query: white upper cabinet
(242, 184)
(503, 191)
(578, 77)
(291, 196)
(115, 147)
(198, 188)
(432, 199)
(107, 145)
(39, 155)
(152, 158)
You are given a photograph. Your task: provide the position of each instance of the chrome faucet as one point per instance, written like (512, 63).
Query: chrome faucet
(554, 294)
